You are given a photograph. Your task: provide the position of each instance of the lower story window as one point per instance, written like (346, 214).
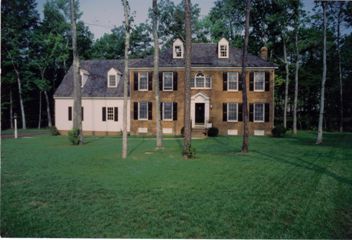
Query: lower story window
(143, 111)
(167, 110)
(259, 112)
(232, 112)
(110, 113)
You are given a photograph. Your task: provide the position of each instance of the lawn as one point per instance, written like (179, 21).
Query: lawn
(284, 188)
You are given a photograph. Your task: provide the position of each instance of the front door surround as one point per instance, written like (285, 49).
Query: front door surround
(200, 103)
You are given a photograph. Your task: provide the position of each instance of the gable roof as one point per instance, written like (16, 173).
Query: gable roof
(204, 55)
(96, 85)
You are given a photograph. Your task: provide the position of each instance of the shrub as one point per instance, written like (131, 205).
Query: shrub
(73, 136)
(54, 131)
(213, 132)
(278, 131)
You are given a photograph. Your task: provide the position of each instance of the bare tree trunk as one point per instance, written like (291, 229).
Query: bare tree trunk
(340, 67)
(187, 106)
(159, 134)
(286, 82)
(11, 110)
(23, 115)
(77, 101)
(245, 141)
(126, 79)
(323, 80)
(296, 81)
(48, 112)
(40, 110)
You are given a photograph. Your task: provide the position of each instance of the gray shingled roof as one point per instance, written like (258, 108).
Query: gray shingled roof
(204, 55)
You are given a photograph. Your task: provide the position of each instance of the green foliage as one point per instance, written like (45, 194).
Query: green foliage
(73, 136)
(278, 131)
(213, 132)
(54, 131)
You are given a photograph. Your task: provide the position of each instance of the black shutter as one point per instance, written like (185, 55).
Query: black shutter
(135, 110)
(161, 111)
(82, 113)
(150, 81)
(70, 113)
(240, 82)
(104, 114)
(116, 114)
(267, 81)
(175, 81)
(160, 81)
(267, 112)
(251, 112)
(224, 77)
(240, 117)
(135, 81)
(150, 111)
(175, 111)
(251, 81)
(224, 112)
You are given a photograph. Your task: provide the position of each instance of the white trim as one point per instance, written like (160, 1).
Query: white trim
(172, 82)
(229, 111)
(117, 74)
(263, 104)
(93, 98)
(225, 43)
(228, 82)
(205, 82)
(172, 112)
(200, 98)
(139, 111)
(195, 68)
(139, 78)
(177, 43)
(254, 80)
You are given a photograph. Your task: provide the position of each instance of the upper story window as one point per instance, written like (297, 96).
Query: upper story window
(83, 77)
(201, 81)
(259, 81)
(259, 112)
(177, 48)
(113, 78)
(232, 81)
(143, 81)
(223, 48)
(168, 80)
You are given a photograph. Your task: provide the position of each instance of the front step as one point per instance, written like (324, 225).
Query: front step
(199, 133)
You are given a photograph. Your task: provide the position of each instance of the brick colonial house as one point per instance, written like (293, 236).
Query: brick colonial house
(216, 94)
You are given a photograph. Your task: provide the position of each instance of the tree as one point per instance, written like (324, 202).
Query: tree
(323, 80)
(338, 40)
(159, 134)
(187, 106)
(77, 101)
(243, 78)
(126, 8)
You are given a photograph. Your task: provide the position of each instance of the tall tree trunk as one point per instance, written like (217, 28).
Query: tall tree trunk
(48, 112)
(296, 80)
(286, 82)
(11, 110)
(187, 105)
(245, 141)
(23, 115)
(126, 79)
(77, 101)
(340, 67)
(40, 110)
(323, 80)
(159, 134)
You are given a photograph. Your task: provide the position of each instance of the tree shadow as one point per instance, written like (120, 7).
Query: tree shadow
(132, 150)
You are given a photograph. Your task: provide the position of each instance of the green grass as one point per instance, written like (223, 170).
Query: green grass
(284, 188)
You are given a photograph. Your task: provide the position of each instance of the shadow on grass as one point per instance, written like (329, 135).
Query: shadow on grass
(132, 150)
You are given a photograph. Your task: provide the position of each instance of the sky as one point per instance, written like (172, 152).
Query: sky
(102, 15)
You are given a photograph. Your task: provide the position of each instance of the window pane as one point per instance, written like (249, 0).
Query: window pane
(259, 80)
(208, 82)
(258, 112)
(223, 50)
(143, 110)
(232, 81)
(143, 81)
(112, 80)
(200, 81)
(192, 83)
(167, 109)
(168, 81)
(110, 113)
(178, 51)
(232, 111)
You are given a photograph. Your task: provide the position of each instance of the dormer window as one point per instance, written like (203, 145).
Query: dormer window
(223, 48)
(178, 48)
(113, 78)
(83, 77)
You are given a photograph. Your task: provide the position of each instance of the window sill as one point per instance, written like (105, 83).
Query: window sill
(233, 90)
(258, 121)
(167, 120)
(167, 90)
(255, 90)
(200, 88)
(232, 120)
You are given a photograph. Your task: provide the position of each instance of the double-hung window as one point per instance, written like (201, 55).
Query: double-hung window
(110, 113)
(259, 112)
(223, 51)
(201, 81)
(259, 81)
(168, 79)
(143, 81)
(232, 81)
(112, 81)
(143, 111)
(167, 111)
(232, 112)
